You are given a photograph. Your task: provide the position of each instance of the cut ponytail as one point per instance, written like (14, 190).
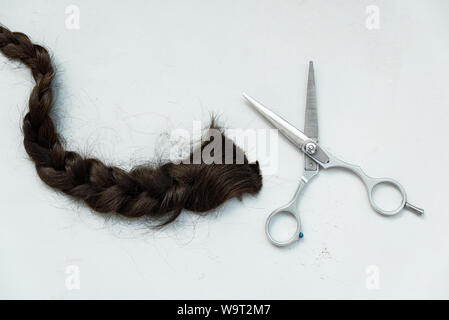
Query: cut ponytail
(160, 192)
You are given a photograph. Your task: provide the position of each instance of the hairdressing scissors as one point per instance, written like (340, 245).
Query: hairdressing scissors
(317, 157)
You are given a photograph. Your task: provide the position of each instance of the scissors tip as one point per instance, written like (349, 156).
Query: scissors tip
(248, 98)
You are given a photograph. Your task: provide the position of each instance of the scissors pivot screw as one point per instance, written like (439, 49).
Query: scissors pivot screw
(310, 148)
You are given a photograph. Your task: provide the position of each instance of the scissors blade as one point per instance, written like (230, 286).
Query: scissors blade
(296, 136)
(311, 118)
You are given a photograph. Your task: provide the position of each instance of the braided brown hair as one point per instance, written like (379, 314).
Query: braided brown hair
(160, 192)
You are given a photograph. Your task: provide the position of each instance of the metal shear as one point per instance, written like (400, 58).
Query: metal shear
(317, 157)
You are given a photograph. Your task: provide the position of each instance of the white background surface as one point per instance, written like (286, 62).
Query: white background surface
(137, 69)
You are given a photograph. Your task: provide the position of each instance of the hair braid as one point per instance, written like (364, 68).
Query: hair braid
(158, 192)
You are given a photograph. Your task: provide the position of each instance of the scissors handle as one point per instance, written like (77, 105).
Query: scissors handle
(370, 184)
(290, 208)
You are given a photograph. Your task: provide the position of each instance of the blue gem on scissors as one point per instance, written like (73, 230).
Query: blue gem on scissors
(301, 234)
